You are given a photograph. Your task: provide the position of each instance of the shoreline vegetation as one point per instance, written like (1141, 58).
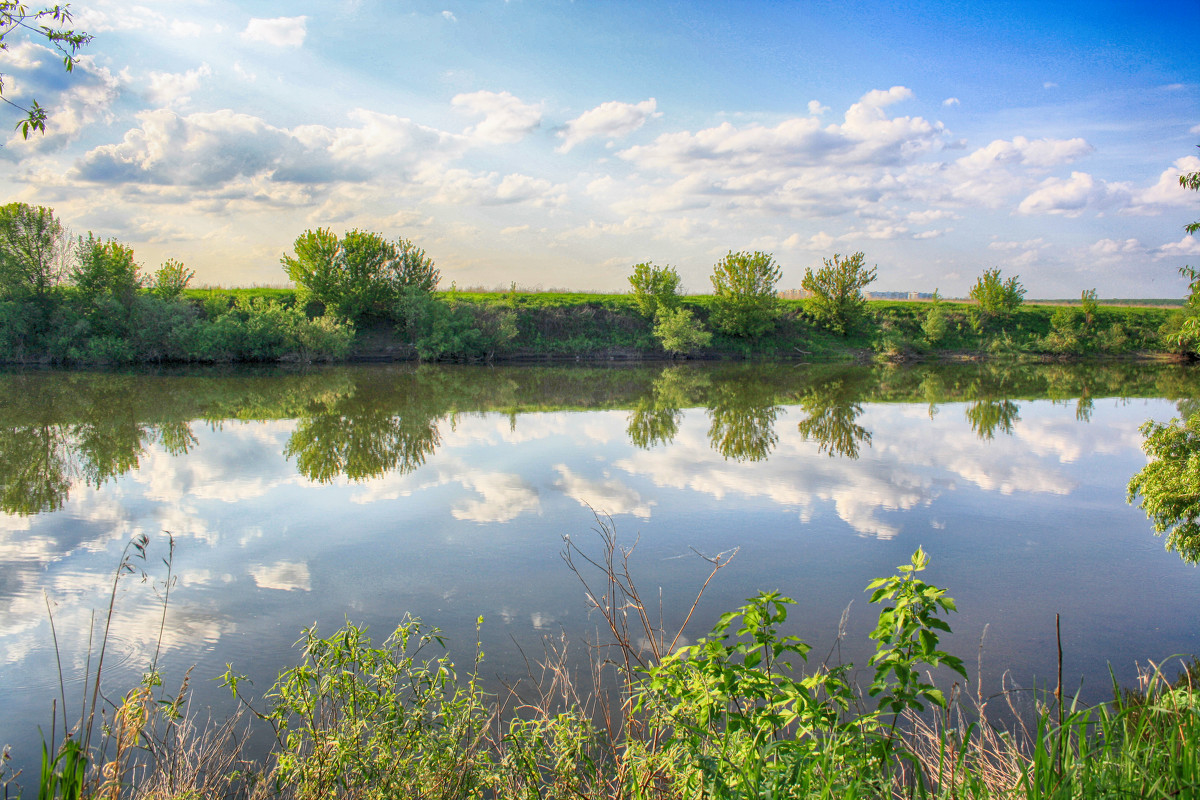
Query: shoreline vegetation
(743, 712)
(85, 301)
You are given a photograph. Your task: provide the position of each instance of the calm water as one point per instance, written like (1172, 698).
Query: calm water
(367, 493)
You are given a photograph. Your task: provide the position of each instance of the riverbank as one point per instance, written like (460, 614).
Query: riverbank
(267, 325)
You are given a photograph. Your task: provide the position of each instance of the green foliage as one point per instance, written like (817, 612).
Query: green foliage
(368, 721)
(361, 276)
(440, 329)
(654, 288)
(1087, 301)
(744, 302)
(1191, 180)
(907, 636)
(33, 250)
(171, 279)
(105, 269)
(678, 330)
(748, 721)
(996, 298)
(1169, 485)
(837, 300)
(50, 23)
(936, 325)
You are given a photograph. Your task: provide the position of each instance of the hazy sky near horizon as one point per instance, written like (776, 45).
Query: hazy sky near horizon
(554, 143)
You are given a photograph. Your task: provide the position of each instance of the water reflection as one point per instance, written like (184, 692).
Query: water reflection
(833, 410)
(61, 430)
(369, 492)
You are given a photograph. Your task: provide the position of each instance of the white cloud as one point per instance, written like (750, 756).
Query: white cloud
(506, 119)
(449, 16)
(951, 101)
(816, 109)
(609, 120)
(173, 88)
(1072, 196)
(1167, 191)
(278, 31)
(1187, 246)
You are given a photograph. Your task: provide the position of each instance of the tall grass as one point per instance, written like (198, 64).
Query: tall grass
(740, 713)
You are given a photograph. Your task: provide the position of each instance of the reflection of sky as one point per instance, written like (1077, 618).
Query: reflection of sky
(263, 552)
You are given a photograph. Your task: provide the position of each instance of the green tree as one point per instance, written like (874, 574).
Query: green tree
(654, 287)
(360, 276)
(744, 290)
(1087, 300)
(995, 297)
(171, 279)
(33, 252)
(105, 268)
(50, 23)
(1169, 486)
(679, 332)
(837, 300)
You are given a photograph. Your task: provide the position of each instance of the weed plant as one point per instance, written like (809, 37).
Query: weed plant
(738, 714)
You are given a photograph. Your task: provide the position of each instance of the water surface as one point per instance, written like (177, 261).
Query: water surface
(367, 493)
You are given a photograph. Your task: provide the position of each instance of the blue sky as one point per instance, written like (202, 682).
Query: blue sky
(554, 144)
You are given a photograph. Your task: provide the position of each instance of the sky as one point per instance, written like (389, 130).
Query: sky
(555, 144)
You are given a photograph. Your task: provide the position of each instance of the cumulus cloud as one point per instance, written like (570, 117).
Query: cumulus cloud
(225, 151)
(816, 109)
(1071, 196)
(950, 101)
(610, 120)
(77, 102)
(1167, 191)
(278, 31)
(449, 16)
(506, 119)
(1187, 246)
(174, 88)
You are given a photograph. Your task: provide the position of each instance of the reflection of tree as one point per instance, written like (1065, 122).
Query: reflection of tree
(361, 439)
(742, 415)
(650, 424)
(35, 465)
(832, 418)
(988, 415)
(655, 418)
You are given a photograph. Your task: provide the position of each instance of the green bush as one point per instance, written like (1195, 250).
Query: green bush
(654, 287)
(105, 269)
(837, 301)
(995, 299)
(744, 301)
(361, 276)
(171, 279)
(678, 331)
(440, 329)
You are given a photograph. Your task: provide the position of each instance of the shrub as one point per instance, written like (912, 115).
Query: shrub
(678, 331)
(837, 300)
(171, 279)
(452, 330)
(361, 276)
(744, 293)
(654, 287)
(936, 326)
(996, 298)
(105, 268)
